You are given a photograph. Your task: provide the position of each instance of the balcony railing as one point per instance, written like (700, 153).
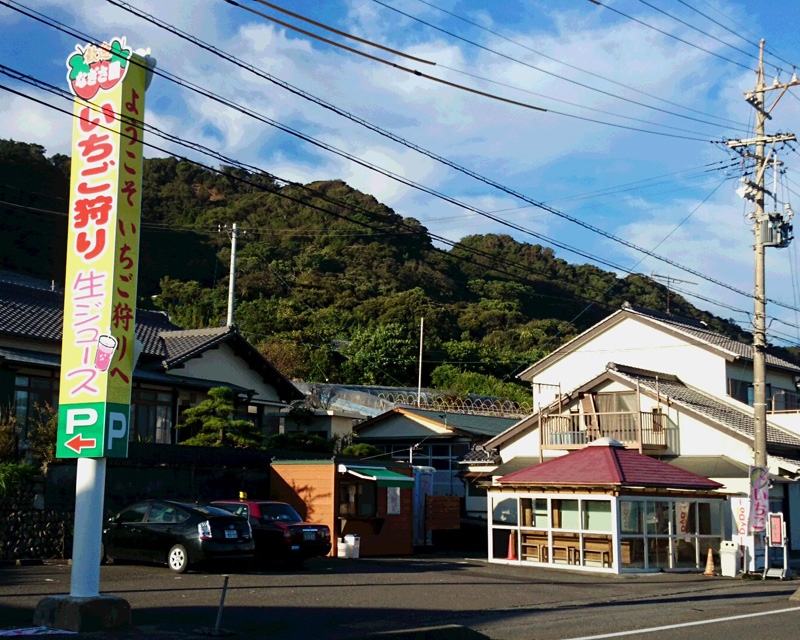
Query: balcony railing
(784, 402)
(629, 428)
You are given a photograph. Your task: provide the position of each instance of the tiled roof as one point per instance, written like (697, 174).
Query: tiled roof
(609, 464)
(726, 414)
(34, 313)
(479, 455)
(182, 345)
(478, 425)
(701, 332)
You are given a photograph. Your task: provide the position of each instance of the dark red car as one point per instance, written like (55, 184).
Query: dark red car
(279, 532)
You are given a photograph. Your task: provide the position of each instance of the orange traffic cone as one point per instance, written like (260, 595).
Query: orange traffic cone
(709, 564)
(511, 554)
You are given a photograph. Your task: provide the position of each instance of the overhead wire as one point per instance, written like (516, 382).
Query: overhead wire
(374, 167)
(492, 266)
(699, 30)
(261, 186)
(545, 71)
(670, 35)
(738, 34)
(413, 146)
(575, 67)
(386, 62)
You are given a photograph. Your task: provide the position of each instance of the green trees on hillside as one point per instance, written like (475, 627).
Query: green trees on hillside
(333, 294)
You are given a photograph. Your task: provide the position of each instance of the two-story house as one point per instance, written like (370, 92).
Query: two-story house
(667, 387)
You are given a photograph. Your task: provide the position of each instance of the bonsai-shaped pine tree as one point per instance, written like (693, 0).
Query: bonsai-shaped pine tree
(215, 427)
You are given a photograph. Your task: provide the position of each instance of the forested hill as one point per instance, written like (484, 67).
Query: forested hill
(331, 284)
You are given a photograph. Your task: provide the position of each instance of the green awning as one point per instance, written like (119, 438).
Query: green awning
(384, 477)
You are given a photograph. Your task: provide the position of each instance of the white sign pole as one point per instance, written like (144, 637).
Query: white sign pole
(89, 494)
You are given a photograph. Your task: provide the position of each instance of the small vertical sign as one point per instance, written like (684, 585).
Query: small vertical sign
(108, 83)
(759, 499)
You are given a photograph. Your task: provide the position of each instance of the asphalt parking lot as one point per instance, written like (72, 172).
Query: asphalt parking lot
(348, 599)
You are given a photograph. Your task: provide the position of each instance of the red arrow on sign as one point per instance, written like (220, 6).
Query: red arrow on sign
(77, 443)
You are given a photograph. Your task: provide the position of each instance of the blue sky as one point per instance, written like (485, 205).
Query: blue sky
(557, 159)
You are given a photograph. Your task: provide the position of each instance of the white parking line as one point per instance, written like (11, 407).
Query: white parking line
(619, 634)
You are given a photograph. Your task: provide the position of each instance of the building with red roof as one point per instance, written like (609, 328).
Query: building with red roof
(605, 508)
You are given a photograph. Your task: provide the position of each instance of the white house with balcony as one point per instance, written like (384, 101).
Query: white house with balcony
(667, 387)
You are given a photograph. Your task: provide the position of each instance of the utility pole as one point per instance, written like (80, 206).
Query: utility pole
(232, 278)
(770, 230)
(670, 280)
(419, 380)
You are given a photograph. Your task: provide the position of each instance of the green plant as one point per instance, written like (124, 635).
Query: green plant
(42, 434)
(300, 442)
(361, 450)
(12, 474)
(213, 420)
(9, 435)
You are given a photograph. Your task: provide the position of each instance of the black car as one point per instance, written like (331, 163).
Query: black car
(177, 534)
(279, 531)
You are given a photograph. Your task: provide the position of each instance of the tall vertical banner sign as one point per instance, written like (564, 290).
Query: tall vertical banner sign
(759, 499)
(102, 251)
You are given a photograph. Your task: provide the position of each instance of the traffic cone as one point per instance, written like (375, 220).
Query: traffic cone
(709, 564)
(511, 554)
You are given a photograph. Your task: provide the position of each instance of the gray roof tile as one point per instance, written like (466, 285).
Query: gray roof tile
(35, 313)
(701, 332)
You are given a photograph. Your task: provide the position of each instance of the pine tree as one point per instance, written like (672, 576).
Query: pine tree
(213, 421)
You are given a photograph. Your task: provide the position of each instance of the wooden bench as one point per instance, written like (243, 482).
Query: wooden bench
(599, 548)
(534, 546)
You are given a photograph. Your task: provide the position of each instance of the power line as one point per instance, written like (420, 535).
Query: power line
(388, 134)
(731, 31)
(534, 67)
(670, 35)
(540, 236)
(332, 30)
(575, 67)
(231, 162)
(705, 33)
(386, 62)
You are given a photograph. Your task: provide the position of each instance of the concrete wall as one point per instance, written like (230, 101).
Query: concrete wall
(636, 344)
(223, 364)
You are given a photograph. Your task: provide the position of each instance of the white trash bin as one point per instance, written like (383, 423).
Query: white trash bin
(729, 556)
(353, 545)
(341, 548)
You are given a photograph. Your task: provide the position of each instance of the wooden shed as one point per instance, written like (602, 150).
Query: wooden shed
(371, 500)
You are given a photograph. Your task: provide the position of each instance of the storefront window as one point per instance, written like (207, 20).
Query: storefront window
(658, 518)
(709, 518)
(566, 514)
(358, 499)
(596, 515)
(630, 516)
(504, 510)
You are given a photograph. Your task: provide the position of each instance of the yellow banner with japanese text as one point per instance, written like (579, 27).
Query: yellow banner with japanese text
(102, 250)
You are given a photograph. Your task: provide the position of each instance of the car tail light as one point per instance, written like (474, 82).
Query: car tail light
(287, 533)
(204, 529)
(326, 533)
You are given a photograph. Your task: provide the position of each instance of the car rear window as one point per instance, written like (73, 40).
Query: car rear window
(279, 513)
(212, 511)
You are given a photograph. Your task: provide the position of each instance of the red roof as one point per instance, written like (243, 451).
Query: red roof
(609, 464)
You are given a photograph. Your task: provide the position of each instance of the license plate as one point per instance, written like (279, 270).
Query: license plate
(309, 535)
(231, 534)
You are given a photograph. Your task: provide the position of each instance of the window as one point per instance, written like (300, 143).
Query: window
(151, 416)
(565, 514)
(166, 514)
(597, 515)
(30, 391)
(358, 499)
(504, 510)
(134, 514)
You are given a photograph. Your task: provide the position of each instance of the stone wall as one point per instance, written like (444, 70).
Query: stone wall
(29, 530)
